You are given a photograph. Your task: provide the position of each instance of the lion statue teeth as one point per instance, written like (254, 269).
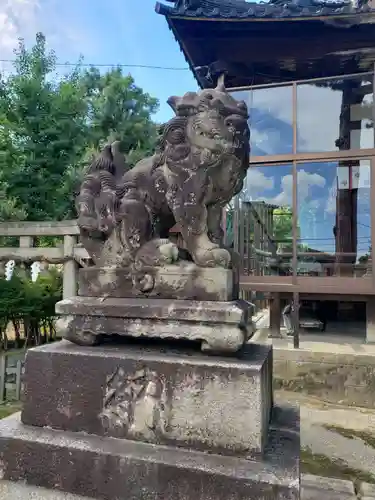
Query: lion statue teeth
(125, 215)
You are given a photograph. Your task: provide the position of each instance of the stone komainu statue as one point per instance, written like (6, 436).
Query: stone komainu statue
(200, 163)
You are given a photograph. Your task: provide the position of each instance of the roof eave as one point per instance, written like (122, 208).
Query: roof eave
(265, 12)
(173, 20)
(184, 51)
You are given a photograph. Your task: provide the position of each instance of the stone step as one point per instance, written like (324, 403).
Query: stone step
(20, 491)
(326, 488)
(108, 468)
(314, 488)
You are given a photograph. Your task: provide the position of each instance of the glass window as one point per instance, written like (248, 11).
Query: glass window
(334, 223)
(265, 221)
(271, 123)
(335, 115)
(340, 321)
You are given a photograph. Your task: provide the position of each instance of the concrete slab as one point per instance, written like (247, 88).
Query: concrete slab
(340, 374)
(324, 488)
(366, 490)
(20, 491)
(113, 468)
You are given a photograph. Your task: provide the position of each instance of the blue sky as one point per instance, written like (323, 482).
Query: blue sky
(114, 31)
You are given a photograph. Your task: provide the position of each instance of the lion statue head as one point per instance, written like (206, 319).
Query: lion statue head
(210, 130)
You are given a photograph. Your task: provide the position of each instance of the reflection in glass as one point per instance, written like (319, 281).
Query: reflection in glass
(335, 115)
(265, 221)
(346, 320)
(271, 123)
(334, 226)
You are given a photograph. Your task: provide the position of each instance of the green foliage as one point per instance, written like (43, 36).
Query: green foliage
(51, 126)
(119, 110)
(46, 127)
(283, 224)
(29, 307)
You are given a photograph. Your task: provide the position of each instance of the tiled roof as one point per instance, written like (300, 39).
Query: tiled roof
(239, 9)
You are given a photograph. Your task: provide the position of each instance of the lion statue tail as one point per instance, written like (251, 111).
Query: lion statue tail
(97, 203)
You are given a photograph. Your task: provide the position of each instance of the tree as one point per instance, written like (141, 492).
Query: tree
(283, 224)
(51, 126)
(46, 130)
(119, 110)
(9, 209)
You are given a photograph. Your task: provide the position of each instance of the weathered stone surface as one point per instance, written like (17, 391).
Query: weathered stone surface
(366, 490)
(184, 280)
(107, 468)
(220, 326)
(237, 312)
(21, 491)
(326, 488)
(337, 374)
(200, 163)
(155, 395)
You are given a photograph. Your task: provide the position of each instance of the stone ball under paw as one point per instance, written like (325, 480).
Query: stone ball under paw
(169, 252)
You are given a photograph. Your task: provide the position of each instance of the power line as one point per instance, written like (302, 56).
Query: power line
(142, 66)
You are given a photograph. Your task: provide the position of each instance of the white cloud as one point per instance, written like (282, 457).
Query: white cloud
(59, 21)
(18, 18)
(257, 183)
(331, 201)
(258, 186)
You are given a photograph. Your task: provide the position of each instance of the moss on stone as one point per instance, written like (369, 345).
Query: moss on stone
(321, 465)
(367, 437)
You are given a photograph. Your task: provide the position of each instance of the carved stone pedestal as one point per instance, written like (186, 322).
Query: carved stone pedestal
(218, 326)
(164, 397)
(182, 281)
(147, 422)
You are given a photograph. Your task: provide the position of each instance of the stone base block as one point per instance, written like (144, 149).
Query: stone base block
(182, 281)
(155, 395)
(220, 326)
(108, 468)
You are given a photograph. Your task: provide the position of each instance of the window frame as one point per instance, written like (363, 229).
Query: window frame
(348, 286)
(306, 156)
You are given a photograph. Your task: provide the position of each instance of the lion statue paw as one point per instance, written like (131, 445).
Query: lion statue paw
(213, 257)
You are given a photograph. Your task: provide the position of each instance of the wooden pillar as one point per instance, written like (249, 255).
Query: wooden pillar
(275, 315)
(26, 241)
(370, 319)
(70, 268)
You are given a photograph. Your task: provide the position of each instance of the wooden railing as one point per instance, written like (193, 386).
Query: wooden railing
(70, 253)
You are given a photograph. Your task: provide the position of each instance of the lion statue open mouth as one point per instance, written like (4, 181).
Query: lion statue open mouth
(199, 165)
